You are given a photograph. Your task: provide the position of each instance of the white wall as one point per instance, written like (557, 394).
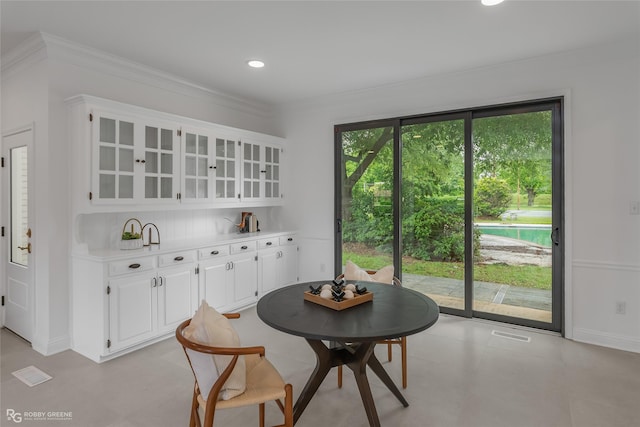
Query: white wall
(41, 75)
(602, 88)
(24, 102)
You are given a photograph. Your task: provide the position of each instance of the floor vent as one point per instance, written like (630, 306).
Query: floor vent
(521, 338)
(31, 376)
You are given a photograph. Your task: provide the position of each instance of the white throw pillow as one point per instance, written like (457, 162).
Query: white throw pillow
(211, 328)
(384, 275)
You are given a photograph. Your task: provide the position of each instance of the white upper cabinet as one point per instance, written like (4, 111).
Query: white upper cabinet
(114, 157)
(261, 164)
(161, 163)
(144, 157)
(197, 164)
(134, 160)
(227, 163)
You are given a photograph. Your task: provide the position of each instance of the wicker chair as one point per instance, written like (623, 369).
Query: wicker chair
(264, 383)
(401, 341)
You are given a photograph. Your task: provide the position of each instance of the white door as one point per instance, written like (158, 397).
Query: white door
(19, 253)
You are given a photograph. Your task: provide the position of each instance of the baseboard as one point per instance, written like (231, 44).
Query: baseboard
(619, 342)
(52, 346)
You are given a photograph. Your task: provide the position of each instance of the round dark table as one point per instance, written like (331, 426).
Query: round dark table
(394, 312)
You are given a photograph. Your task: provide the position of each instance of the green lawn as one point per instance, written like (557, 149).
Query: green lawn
(523, 276)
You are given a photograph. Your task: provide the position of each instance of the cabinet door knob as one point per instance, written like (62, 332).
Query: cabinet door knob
(215, 252)
(155, 282)
(161, 281)
(269, 243)
(136, 265)
(244, 247)
(178, 258)
(290, 239)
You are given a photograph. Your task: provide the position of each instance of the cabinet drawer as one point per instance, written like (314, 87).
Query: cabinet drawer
(268, 243)
(213, 252)
(237, 248)
(288, 240)
(177, 258)
(131, 266)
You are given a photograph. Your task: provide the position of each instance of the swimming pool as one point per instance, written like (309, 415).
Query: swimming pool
(538, 234)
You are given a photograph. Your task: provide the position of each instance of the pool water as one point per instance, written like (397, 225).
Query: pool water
(539, 235)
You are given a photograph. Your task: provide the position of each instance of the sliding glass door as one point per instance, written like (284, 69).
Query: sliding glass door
(432, 206)
(466, 205)
(366, 189)
(515, 198)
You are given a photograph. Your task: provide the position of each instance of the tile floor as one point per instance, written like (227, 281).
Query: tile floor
(459, 375)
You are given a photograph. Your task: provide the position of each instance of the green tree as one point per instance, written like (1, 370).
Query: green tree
(492, 196)
(516, 147)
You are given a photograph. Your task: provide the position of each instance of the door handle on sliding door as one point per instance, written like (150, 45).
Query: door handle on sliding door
(555, 236)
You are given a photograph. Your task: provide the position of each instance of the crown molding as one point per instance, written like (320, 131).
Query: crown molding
(42, 45)
(31, 50)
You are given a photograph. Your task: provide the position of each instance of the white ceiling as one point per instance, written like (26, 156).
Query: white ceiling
(318, 48)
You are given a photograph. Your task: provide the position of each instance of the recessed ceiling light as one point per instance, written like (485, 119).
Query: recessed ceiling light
(254, 63)
(491, 2)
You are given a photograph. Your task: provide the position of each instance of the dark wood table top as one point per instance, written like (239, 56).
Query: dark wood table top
(394, 312)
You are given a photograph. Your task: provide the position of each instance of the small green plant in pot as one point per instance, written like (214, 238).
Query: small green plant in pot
(127, 235)
(131, 239)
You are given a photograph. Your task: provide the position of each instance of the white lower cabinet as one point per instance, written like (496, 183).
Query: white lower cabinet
(132, 311)
(143, 306)
(123, 303)
(277, 263)
(228, 282)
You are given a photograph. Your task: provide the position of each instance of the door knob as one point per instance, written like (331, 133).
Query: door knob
(28, 247)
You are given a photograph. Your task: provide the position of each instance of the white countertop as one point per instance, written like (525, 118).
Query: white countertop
(108, 254)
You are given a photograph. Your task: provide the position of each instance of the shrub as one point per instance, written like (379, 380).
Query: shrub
(436, 232)
(492, 197)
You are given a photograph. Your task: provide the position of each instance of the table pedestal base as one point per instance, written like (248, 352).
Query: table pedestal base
(357, 357)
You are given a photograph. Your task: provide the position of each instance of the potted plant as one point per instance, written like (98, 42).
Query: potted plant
(131, 239)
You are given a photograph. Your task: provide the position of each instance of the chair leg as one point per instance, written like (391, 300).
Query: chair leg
(261, 410)
(389, 352)
(288, 405)
(194, 421)
(339, 376)
(403, 346)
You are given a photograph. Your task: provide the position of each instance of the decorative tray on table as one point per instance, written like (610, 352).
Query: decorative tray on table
(338, 296)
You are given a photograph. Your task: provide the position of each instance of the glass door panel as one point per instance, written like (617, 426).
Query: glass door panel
(196, 166)
(20, 231)
(115, 152)
(251, 170)
(433, 220)
(367, 190)
(512, 274)
(158, 166)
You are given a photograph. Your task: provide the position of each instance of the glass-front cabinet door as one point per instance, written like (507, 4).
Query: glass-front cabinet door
(161, 163)
(261, 171)
(113, 158)
(251, 171)
(226, 169)
(197, 161)
(272, 172)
